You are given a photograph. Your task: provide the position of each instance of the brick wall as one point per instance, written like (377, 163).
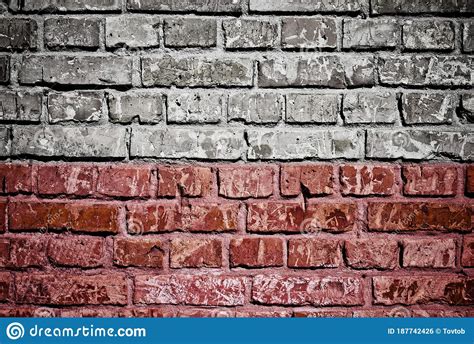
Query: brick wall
(236, 158)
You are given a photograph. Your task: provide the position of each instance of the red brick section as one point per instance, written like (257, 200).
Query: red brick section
(233, 240)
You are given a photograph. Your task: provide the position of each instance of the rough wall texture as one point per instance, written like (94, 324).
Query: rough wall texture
(236, 158)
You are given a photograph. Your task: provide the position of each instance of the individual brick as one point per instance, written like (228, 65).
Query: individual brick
(51, 6)
(263, 314)
(410, 290)
(20, 106)
(195, 253)
(190, 32)
(4, 69)
(365, 180)
(429, 108)
(419, 144)
(48, 289)
(299, 144)
(5, 139)
(195, 107)
(314, 253)
(371, 33)
(83, 106)
(125, 181)
(308, 33)
(425, 70)
(132, 32)
(365, 108)
(6, 286)
(206, 290)
(153, 218)
(470, 179)
(290, 217)
(57, 141)
(306, 6)
(467, 259)
(312, 108)
(18, 34)
(468, 40)
(62, 32)
(430, 180)
(300, 291)
(333, 71)
(313, 179)
(246, 181)
(324, 313)
(27, 252)
(429, 253)
(190, 181)
(187, 143)
(84, 252)
(139, 252)
(420, 6)
(256, 252)
(16, 178)
(76, 70)
(196, 71)
(77, 217)
(250, 34)
(404, 216)
(178, 6)
(66, 179)
(148, 108)
(212, 217)
(255, 108)
(372, 253)
(466, 112)
(428, 35)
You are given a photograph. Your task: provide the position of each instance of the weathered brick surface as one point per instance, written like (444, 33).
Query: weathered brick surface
(182, 33)
(20, 106)
(236, 158)
(309, 33)
(298, 291)
(428, 180)
(255, 108)
(148, 108)
(372, 253)
(195, 108)
(196, 71)
(428, 35)
(256, 252)
(76, 70)
(76, 107)
(433, 108)
(428, 253)
(332, 71)
(18, 34)
(199, 6)
(367, 34)
(360, 108)
(133, 32)
(72, 33)
(196, 253)
(423, 289)
(314, 253)
(312, 108)
(250, 34)
(138, 252)
(190, 290)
